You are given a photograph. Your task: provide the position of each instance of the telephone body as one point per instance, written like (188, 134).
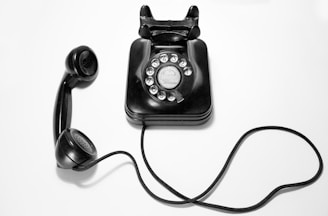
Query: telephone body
(168, 76)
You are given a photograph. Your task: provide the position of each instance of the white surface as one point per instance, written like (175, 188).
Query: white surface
(268, 65)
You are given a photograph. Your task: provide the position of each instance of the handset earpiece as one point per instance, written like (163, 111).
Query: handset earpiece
(73, 148)
(82, 66)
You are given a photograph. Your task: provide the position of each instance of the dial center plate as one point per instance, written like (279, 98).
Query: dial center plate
(169, 77)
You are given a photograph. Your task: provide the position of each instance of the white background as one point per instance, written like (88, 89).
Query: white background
(268, 66)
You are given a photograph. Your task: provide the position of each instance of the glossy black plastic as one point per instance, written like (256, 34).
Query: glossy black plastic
(143, 108)
(169, 31)
(73, 148)
(81, 71)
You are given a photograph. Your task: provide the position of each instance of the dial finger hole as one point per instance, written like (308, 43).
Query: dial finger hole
(150, 71)
(183, 63)
(161, 95)
(155, 63)
(153, 89)
(174, 58)
(163, 58)
(171, 98)
(187, 71)
(149, 81)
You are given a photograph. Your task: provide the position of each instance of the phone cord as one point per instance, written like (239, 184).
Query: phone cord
(197, 199)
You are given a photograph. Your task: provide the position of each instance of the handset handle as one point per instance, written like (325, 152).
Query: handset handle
(63, 107)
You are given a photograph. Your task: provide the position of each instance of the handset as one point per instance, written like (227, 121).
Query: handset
(73, 148)
(81, 71)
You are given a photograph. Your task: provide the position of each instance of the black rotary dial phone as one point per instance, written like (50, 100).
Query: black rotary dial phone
(168, 76)
(168, 84)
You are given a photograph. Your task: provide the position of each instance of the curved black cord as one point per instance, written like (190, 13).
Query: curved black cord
(83, 168)
(196, 200)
